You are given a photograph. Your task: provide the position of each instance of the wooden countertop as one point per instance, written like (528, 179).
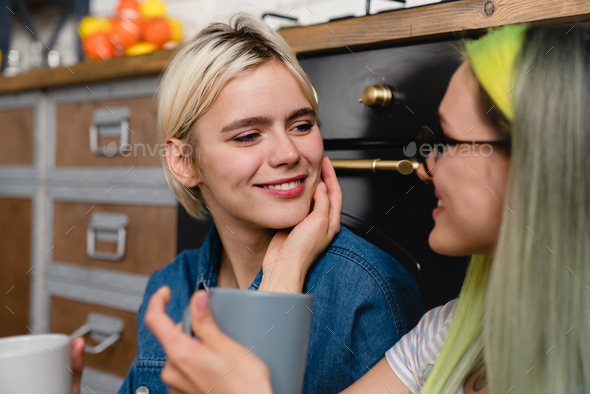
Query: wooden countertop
(435, 20)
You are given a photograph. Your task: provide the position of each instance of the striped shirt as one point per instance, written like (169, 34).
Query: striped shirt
(413, 357)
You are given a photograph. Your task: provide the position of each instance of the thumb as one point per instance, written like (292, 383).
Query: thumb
(202, 322)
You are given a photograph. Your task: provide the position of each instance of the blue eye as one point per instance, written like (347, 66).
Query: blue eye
(304, 127)
(247, 138)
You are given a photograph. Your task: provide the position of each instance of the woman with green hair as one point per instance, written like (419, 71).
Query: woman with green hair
(516, 197)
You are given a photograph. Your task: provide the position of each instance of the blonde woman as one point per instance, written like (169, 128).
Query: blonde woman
(521, 323)
(236, 97)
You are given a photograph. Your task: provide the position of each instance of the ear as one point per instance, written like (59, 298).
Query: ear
(178, 155)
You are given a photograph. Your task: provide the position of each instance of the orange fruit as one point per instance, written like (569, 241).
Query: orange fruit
(99, 47)
(128, 9)
(157, 32)
(126, 32)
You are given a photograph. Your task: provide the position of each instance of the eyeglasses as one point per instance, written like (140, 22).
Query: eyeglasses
(436, 141)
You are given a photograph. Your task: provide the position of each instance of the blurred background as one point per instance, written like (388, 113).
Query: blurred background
(29, 28)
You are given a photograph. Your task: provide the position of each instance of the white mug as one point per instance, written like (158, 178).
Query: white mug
(32, 364)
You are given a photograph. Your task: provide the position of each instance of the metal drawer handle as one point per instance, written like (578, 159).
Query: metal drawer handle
(404, 167)
(102, 328)
(107, 227)
(109, 122)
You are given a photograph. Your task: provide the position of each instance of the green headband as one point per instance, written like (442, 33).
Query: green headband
(492, 58)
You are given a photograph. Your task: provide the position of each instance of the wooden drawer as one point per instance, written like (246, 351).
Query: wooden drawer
(15, 252)
(67, 316)
(73, 121)
(150, 243)
(16, 130)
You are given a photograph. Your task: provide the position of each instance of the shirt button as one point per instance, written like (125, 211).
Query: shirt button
(142, 390)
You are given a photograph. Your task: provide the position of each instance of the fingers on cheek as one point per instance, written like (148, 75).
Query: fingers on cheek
(325, 222)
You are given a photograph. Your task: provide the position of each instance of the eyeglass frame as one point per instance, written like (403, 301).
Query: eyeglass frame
(440, 140)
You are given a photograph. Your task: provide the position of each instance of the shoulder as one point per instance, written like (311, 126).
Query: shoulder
(361, 262)
(430, 332)
(181, 276)
(356, 251)
(188, 267)
(181, 268)
(413, 357)
(367, 277)
(436, 321)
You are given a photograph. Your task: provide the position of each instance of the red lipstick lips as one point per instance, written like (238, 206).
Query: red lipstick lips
(294, 192)
(283, 180)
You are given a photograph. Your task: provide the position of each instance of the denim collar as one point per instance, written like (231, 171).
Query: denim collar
(211, 256)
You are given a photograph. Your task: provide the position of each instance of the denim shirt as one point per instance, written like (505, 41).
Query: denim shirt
(364, 302)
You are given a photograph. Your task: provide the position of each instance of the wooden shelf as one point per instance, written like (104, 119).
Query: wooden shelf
(442, 19)
(431, 21)
(88, 72)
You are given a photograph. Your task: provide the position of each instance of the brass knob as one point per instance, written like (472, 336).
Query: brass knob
(376, 97)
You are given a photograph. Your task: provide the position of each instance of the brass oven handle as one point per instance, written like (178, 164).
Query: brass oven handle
(404, 167)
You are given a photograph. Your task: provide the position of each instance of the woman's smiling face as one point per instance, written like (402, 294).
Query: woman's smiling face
(259, 150)
(471, 188)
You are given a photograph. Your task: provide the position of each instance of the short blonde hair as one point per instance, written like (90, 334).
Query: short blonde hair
(198, 73)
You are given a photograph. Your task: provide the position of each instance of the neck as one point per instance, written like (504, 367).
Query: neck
(243, 250)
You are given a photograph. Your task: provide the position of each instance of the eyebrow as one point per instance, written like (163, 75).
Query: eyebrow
(254, 120)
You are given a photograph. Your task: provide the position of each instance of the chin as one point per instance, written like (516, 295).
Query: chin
(284, 223)
(282, 220)
(443, 244)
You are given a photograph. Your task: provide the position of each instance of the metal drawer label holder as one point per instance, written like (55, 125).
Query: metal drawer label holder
(102, 328)
(107, 227)
(109, 122)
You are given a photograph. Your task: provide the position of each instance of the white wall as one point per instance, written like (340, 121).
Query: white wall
(194, 14)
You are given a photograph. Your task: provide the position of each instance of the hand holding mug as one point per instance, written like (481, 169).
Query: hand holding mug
(195, 365)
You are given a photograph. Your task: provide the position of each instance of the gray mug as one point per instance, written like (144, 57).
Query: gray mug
(274, 326)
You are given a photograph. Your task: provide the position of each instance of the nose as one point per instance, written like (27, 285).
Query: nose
(283, 151)
(425, 169)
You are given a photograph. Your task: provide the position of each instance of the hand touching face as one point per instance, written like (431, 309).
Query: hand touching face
(196, 366)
